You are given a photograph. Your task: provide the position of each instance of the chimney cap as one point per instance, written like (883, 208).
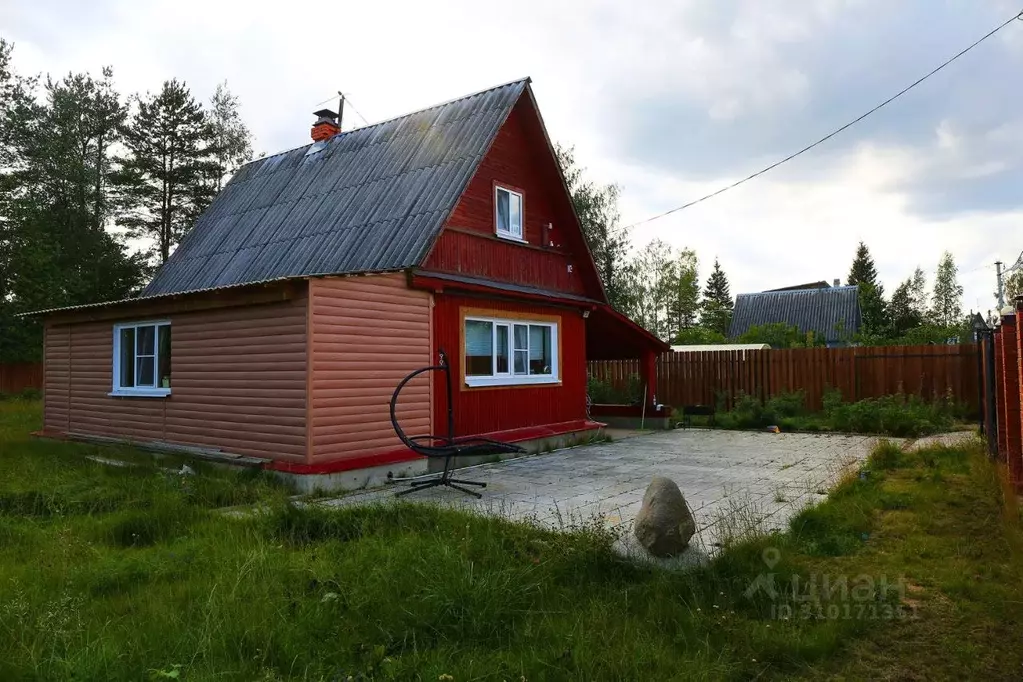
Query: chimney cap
(328, 115)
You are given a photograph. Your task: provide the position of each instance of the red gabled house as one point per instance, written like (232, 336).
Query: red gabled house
(321, 276)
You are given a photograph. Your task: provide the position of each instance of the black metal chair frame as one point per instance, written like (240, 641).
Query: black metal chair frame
(449, 446)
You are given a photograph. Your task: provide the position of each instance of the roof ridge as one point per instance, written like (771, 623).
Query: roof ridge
(797, 291)
(526, 80)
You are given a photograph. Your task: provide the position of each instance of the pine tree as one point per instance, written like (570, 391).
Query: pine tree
(684, 300)
(873, 309)
(597, 209)
(168, 177)
(717, 302)
(231, 138)
(947, 299)
(56, 245)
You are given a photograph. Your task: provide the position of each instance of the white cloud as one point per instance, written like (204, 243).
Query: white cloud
(734, 60)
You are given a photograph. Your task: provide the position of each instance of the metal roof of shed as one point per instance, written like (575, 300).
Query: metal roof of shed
(369, 199)
(830, 313)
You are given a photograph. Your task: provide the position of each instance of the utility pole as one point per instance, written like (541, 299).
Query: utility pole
(1000, 294)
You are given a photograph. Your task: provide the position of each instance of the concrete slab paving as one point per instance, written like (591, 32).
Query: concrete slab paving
(732, 480)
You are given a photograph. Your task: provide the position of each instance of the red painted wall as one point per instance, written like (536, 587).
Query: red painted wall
(520, 159)
(484, 410)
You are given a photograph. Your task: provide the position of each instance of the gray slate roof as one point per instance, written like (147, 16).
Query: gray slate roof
(822, 311)
(367, 200)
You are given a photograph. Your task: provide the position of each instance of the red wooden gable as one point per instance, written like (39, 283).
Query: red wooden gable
(520, 158)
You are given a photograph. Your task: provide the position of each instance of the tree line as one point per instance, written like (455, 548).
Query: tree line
(97, 188)
(658, 286)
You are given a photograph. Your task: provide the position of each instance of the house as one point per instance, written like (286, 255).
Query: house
(831, 313)
(321, 276)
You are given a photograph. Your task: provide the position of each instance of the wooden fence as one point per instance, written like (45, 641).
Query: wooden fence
(700, 378)
(15, 378)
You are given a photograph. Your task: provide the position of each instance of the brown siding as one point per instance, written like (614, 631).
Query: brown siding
(367, 333)
(56, 376)
(238, 379)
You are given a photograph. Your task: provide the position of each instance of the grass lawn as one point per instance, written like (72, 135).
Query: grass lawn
(132, 573)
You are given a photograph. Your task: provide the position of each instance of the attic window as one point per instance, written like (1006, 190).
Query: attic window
(508, 213)
(142, 357)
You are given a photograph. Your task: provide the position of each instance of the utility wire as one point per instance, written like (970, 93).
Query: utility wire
(834, 132)
(348, 101)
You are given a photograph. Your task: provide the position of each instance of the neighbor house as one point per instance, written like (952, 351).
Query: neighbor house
(321, 276)
(832, 313)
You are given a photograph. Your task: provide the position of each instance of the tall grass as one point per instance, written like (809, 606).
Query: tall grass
(135, 573)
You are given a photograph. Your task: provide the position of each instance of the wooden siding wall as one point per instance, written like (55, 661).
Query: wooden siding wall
(367, 333)
(485, 410)
(520, 160)
(238, 382)
(698, 378)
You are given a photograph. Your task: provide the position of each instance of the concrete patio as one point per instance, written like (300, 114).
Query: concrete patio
(732, 480)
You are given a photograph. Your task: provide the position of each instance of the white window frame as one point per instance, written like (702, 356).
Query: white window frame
(138, 391)
(506, 234)
(510, 378)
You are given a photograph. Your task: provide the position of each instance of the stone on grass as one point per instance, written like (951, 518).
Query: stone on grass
(664, 524)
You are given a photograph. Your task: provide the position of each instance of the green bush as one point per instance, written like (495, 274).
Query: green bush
(604, 392)
(787, 405)
(894, 415)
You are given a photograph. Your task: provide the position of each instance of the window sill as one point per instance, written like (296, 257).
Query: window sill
(510, 238)
(140, 393)
(482, 382)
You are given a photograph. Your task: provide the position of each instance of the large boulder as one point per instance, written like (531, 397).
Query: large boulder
(664, 524)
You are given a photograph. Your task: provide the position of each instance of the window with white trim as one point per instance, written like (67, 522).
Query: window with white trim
(508, 213)
(502, 352)
(142, 359)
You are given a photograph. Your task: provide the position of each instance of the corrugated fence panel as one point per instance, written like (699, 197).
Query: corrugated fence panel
(15, 378)
(705, 377)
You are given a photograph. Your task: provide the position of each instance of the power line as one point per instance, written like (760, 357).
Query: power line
(830, 135)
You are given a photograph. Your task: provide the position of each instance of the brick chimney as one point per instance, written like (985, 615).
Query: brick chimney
(326, 125)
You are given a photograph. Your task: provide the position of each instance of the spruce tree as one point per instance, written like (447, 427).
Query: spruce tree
(717, 302)
(873, 309)
(169, 175)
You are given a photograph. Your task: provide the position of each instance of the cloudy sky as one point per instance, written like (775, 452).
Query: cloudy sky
(669, 100)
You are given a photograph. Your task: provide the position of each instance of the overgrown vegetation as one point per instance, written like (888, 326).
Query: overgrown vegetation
(894, 415)
(132, 573)
(606, 392)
